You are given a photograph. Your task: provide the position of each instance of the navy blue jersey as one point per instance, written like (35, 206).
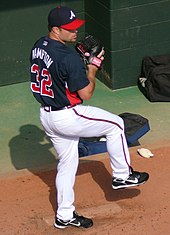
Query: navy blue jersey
(57, 73)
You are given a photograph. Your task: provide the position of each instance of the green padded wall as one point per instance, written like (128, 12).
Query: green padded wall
(22, 22)
(130, 30)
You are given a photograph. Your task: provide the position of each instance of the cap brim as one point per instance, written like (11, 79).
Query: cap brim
(77, 23)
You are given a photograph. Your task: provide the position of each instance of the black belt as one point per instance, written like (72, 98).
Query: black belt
(52, 108)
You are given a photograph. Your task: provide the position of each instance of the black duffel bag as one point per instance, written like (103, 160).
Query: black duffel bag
(154, 80)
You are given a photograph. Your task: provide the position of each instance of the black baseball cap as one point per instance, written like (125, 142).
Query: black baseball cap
(65, 18)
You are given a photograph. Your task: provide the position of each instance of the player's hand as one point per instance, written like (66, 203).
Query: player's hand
(91, 50)
(101, 55)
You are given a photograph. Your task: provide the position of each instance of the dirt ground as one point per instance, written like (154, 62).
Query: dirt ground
(27, 199)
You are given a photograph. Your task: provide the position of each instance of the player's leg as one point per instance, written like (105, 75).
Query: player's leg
(98, 122)
(67, 151)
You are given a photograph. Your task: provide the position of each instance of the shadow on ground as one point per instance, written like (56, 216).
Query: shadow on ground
(28, 151)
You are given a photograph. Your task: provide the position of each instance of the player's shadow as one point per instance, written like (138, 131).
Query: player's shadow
(29, 151)
(103, 178)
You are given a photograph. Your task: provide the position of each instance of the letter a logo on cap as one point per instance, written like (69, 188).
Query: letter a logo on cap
(72, 15)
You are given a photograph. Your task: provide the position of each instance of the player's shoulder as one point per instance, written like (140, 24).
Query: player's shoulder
(39, 41)
(72, 53)
(58, 50)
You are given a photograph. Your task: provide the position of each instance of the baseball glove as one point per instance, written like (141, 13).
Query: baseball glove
(89, 48)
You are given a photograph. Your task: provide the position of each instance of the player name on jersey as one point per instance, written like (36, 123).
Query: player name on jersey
(43, 55)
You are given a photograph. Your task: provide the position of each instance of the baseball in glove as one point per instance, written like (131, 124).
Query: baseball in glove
(89, 48)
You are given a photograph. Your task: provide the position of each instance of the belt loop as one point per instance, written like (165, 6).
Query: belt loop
(47, 108)
(70, 106)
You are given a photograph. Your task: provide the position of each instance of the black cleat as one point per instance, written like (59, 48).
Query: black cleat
(76, 221)
(135, 178)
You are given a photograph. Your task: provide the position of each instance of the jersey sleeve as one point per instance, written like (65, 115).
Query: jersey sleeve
(77, 76)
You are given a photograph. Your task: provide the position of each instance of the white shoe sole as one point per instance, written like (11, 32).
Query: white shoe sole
(127, 185)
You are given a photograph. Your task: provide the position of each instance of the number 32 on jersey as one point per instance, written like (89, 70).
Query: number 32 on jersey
(42, 82)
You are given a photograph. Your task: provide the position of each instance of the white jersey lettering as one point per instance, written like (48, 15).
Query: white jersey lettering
(42, 54)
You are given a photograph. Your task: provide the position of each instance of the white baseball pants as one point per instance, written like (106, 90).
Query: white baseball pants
(65, 127)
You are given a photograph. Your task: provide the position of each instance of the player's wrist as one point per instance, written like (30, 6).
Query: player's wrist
(92, 69)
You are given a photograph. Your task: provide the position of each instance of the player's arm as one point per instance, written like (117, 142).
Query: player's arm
(87, 92)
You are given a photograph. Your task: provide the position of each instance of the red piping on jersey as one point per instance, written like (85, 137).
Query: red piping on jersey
(72, 97)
